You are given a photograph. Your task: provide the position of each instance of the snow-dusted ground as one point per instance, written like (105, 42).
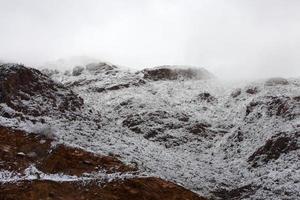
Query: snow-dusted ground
(165, 112)
(32, 173)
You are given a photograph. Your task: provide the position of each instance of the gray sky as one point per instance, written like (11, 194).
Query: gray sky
(231, 38)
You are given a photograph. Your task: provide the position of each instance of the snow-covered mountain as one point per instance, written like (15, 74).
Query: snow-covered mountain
(222, 140)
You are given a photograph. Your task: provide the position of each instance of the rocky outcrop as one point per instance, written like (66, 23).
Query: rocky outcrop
(175, 73)
(99, 67)
(206, 97)
(281, 106)
(236, 193)
(29, 92)
(276, 81)
(77, 70)
(277, 145)
(131, 83)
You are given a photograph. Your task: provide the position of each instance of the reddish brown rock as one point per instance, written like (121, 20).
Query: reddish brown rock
(19, 150)
(76, 162)
(130, 189)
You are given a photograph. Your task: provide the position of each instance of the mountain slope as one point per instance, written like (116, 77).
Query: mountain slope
(36, 164)
(222, 140)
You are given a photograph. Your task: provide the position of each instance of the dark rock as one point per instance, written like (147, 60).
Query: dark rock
(253, 90)
(132, 121)
(252, 106)
(98, 89)
(174, 73)
(276, 81)
(77, 70)
(30, 92)
(205, 96)
(153, 125)
(236, 93)
(235, 194)
(281, 106)
(277, 145)
(49, 72)
(199, 128)
(99, 67)
(117, 87)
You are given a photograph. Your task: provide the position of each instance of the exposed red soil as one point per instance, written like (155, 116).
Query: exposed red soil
(130, 189)
(75, 161)
(19, 150)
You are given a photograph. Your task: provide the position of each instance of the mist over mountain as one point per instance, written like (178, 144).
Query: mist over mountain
(234, 39)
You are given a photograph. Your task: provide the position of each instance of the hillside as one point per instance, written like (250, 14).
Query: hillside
(221, 140)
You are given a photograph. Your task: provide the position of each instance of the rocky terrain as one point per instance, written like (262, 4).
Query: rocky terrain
(35, 164)
(222, 140)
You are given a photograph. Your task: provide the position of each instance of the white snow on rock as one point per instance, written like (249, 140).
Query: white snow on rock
(32, 173)
(199, 133)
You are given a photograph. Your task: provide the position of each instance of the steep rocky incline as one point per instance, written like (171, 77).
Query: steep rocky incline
(36, 164)
(223, 140)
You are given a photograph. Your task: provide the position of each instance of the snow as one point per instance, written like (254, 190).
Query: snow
(202, 164)
(32, 173)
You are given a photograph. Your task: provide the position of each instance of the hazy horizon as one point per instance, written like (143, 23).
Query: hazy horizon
(230, 38)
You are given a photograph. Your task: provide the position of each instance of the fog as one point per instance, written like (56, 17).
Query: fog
(233, 39)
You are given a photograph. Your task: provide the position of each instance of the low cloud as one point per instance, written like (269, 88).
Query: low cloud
(232, 38)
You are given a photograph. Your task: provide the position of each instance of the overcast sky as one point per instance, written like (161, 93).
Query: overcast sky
(231, 38)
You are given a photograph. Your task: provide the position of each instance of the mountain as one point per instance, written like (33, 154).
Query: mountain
(36, 163)
(221, 140)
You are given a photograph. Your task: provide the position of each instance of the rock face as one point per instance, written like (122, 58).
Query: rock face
(29, 92)
(279, 144)
(175, 73)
